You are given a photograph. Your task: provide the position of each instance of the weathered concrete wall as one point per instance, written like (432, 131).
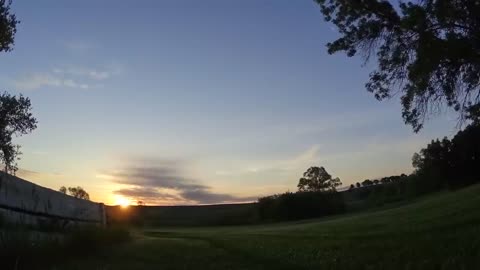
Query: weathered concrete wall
(22, 202)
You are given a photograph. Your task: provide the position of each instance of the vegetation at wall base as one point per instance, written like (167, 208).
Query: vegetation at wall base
(28, 249)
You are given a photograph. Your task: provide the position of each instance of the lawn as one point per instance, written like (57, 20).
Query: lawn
(441, 231)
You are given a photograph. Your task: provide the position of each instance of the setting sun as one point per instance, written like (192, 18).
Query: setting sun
(122, 202)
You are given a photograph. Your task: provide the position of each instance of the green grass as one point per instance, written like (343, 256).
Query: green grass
(22, 248)
(441, 231)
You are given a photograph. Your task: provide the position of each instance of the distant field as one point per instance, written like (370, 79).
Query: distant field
(194, 215)
(441, 231)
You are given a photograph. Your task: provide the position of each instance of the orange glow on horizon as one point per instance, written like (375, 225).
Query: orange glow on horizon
(122, 202)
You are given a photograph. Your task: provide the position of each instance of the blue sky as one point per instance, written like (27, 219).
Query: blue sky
(218, 101)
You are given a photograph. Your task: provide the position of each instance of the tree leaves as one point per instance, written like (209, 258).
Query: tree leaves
(8, 26)
(428, 51)
(318, 179)
(77, 192)
(16, 119)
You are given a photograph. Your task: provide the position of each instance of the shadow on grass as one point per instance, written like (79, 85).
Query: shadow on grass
(26, 249)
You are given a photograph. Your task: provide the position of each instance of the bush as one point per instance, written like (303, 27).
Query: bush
(300, 205)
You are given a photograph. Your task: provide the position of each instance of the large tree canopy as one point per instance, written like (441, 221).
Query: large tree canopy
(318, 179)
(427, 50)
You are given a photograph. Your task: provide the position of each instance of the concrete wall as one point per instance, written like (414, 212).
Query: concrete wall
(22, 202)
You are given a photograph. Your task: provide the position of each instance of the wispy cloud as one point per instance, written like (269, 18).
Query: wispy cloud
(69, 77)
(166, 181)
(29, 174)
(39, 80)
(148, 195)
(308, 157)
(89, 73)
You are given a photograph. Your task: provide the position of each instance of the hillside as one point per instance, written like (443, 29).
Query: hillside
(436, 232)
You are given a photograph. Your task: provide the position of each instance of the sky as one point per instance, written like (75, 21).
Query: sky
(197, 102)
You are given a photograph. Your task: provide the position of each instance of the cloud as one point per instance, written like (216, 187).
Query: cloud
(308, 157)
(166, 181)
(147, 194)
(205, 196)
(89, 73)
(34, 175)
(71, 77)
(38, 80)
(26, 173)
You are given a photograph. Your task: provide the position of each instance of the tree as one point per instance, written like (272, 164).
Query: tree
(464, 157)
(367, 183)
(453, 163)
(15, 116)
(141, 203)
(352, 186)
(77, 192)
(434, 163)
(358, 185)
(16, 119)
(385, 180)
(63, 190)
(317, 179)
(8, 26)
(376, 182)
(427, 50)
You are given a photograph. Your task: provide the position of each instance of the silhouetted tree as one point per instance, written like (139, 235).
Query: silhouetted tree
(451, 162)
(367, 183)
(317, 179)
(141, 203)
(16, 119)
(8, 26)
(352, 186)
(376, 182)
(474, 114)
(358, 184)
(63, 190)
(77, 192)
(427, 49)
(464, 157)
(433, 162)
(15, 116)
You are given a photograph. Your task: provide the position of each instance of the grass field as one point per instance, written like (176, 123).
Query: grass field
(441, 231)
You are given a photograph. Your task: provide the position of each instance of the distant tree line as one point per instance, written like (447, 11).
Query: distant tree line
(383, 180)
(442, 164)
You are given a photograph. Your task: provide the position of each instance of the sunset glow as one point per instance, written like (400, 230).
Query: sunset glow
(249, 132)
(122, 202)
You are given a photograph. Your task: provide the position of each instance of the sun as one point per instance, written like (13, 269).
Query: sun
(122, 201)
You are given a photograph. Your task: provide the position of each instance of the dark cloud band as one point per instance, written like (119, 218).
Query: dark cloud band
(145, 182)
